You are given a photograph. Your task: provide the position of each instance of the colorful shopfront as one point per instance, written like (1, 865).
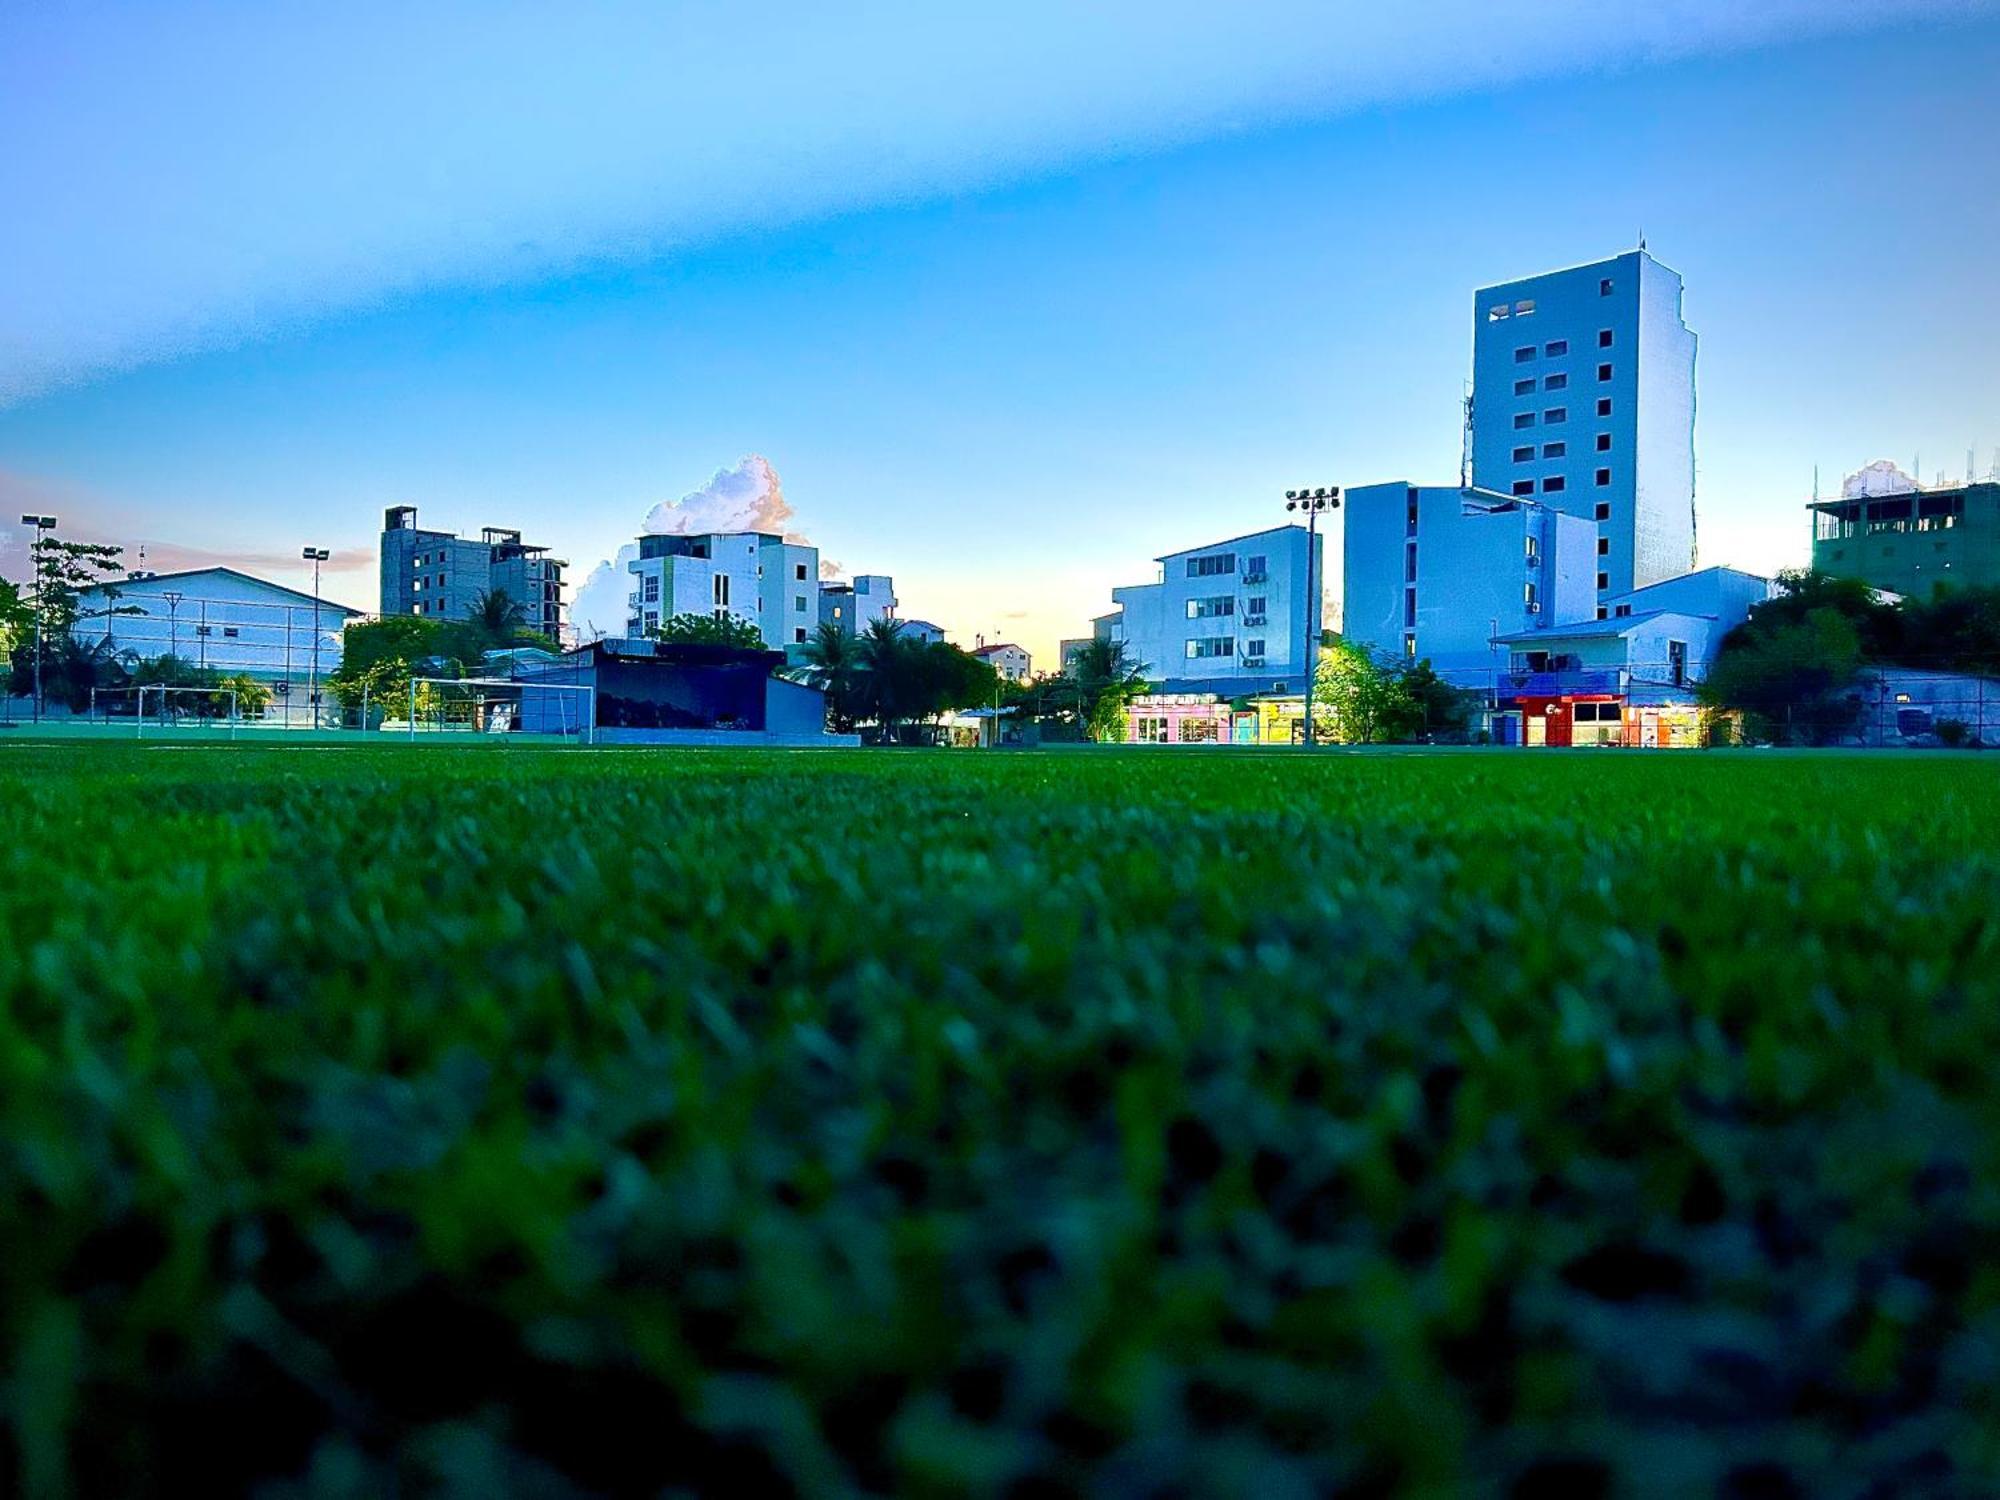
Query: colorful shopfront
(1205, 719)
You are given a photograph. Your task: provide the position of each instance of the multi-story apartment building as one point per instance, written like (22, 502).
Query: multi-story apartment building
(752, 576)
(856, 606)
(1583, 398)
(1435, 573)
(1236, 616)
(1012, 662)
(439, 573)
(1910, 542)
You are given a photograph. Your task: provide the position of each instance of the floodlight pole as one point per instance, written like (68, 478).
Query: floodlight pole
(1313, 502)
(42, 525)
(315, 556)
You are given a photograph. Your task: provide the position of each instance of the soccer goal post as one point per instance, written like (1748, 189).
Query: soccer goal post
(183, 707)
(501, 705)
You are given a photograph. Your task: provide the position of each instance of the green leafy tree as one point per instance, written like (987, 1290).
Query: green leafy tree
(17, 621)
(693, 629)
(63, 571)
(1955, 630)
(1357, 701)
(403, 638)
(383, 685)
(945, 678)
(1439, 710)
(1790, 677)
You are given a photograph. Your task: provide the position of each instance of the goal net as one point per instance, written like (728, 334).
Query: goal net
(482, 706)
(157, 706)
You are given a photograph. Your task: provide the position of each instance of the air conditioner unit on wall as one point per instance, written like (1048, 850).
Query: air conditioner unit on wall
(1534, 609)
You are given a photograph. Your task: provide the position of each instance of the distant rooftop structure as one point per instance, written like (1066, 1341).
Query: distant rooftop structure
(441, 574)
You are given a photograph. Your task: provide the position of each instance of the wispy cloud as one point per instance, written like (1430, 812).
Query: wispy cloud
(181, 176)
(88, 516)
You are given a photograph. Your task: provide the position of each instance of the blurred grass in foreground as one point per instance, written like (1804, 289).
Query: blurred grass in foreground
(416, 1121)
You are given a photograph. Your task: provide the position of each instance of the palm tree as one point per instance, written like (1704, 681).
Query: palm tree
(884, 655)
(833, 665)
(496, 615)
(1105, 681)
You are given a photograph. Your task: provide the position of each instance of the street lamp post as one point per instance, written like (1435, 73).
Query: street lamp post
(42, 525)
(1314, 502)
(315, 556)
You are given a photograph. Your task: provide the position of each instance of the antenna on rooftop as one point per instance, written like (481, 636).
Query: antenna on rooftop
(1815, 481)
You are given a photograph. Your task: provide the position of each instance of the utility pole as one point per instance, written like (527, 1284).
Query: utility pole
(1313, 502)
(43, 525)
(173, 629)
(315, 556)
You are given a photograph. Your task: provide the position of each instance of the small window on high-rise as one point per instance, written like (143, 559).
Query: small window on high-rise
(1604, 442)
(1523, 355)
(1622, 610)
(1602, 612)
(1557, 348)
(1523, 309)
(1604, 478)
(1554, 450)
(1603, 511)
(1496, 312)
(1523, 420)
(1556, 383)
(1522, 455)
(1604, 406)
(1555, 414)
(1524, 387)
(1604, 287)
(1604, 338)
(1604, 372)
(1603, 581)
(1604, 546)
(1553, 485)
(1524, 486)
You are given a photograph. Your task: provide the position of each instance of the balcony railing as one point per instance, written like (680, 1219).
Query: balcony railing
(1572, 683)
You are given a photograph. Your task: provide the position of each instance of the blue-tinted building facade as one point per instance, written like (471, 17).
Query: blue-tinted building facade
(1435, 573)
(1583, 399)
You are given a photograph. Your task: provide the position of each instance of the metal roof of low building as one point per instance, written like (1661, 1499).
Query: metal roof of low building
(121, 584)
(1595, 629)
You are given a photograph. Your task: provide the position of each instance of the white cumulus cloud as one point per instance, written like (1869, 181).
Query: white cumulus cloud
(748, 497)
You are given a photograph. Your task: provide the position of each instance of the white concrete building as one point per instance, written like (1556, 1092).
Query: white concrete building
(217, 618)
(856, 606)
(753, 576)
(1235, 616)
(1012, 662)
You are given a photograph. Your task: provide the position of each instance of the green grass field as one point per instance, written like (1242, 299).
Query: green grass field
(414, 1121)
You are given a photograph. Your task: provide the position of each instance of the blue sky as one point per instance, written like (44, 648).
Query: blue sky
(1010, 301)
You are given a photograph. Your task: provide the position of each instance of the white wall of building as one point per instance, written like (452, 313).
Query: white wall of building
(227, 621)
